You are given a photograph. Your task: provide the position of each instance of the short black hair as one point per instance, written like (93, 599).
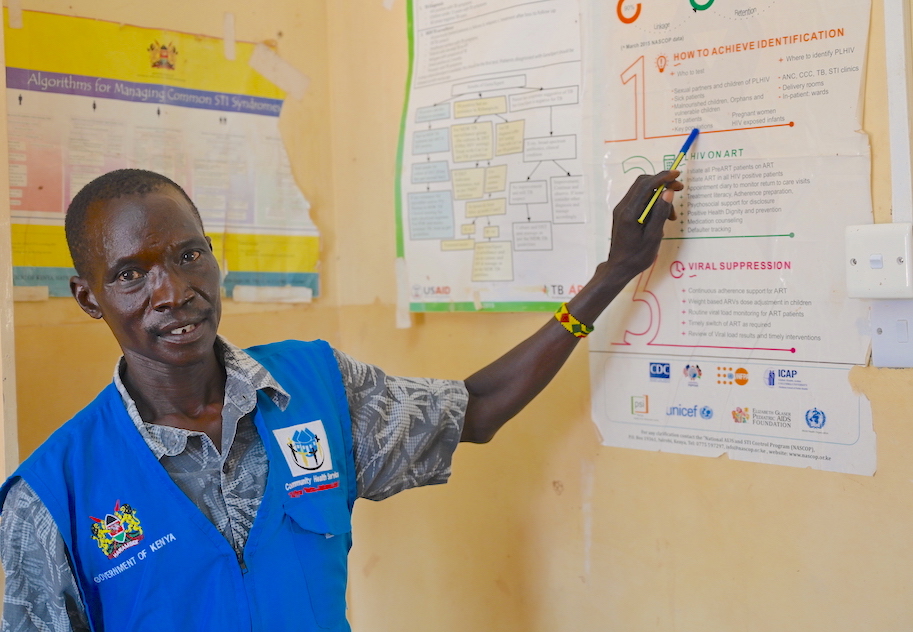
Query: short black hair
(114, 184)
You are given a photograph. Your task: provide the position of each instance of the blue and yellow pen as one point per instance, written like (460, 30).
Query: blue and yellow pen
(662, 187)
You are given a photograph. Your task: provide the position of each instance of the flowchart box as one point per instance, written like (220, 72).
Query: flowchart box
(480, 107)
(467, 229)
(472, 142)
(568, 194)
(432, 113)
(437, 171)
(449, 245)
(509, 137)
(484, 85)
(468, 183)
(568, 95)
(495, 178)
(550, 148)
(430, 215)
(529, 192)
(430, 141)
(492, 261)
(491, 232)
(486, 208)
(532, 236)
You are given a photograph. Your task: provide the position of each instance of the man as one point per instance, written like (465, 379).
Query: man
(211, 488)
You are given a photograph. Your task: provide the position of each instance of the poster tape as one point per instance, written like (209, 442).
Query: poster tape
(403, 316)
(228, 35)
(14, 7)
(388, 4)
(280, 72)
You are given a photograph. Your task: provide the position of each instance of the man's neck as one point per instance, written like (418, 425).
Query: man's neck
(188, 397)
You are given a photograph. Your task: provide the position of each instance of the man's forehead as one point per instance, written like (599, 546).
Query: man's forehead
(139, 207)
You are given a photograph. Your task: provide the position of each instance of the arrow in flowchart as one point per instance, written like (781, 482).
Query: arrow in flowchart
(562, 168)
(528, 218)
(551, 127)
(20, 99)
(534, 170)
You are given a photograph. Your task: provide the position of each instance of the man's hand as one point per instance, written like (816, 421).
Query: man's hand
(635, 245)
(501, 390)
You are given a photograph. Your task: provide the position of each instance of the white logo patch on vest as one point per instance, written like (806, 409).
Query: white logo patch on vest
(306, 448)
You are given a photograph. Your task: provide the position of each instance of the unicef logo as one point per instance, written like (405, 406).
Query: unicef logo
(815, 418)
(706, 412)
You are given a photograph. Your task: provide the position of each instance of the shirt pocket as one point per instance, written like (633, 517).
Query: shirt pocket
(323, 537)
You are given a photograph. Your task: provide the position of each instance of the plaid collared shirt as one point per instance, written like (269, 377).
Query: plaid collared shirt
(404, 432)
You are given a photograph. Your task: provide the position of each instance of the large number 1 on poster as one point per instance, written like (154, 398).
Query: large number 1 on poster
(634, 71)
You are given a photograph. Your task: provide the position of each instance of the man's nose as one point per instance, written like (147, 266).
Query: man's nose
(171, 289)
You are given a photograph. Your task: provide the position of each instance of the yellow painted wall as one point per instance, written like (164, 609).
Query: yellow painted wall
(543, 529)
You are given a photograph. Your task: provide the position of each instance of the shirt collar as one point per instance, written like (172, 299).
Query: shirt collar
(244, 376)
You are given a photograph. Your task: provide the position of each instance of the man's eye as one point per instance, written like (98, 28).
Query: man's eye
(129, 275)
(190, 257)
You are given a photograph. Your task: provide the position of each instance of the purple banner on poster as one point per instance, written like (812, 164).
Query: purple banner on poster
(101, 88)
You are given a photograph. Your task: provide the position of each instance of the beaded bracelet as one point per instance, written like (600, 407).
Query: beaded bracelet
(572, 324)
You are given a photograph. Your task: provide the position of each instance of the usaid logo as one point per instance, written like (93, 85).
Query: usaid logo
(421, 291)
(660, 371)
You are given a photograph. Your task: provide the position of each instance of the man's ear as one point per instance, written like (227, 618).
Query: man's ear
(209, 241)
(79, 287)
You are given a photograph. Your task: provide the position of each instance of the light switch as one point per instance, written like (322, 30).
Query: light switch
(876, 262)
(891, 344)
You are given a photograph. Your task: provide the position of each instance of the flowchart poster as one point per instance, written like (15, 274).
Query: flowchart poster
(740, 338)
(491, 200)
(85, 97)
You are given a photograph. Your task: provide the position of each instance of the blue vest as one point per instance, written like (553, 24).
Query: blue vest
(147, 559)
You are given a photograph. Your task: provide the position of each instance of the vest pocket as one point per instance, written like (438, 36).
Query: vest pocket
(322, 543)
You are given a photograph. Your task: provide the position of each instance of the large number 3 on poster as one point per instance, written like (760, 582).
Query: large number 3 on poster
(642, 297)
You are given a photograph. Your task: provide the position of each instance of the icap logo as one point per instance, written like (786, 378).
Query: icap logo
(305, 447)
(815, 418)
(706, 412)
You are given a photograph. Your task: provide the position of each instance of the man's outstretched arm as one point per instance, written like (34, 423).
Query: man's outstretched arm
(501, 390)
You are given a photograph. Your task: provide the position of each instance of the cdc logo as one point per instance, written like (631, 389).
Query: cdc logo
(660, 371)
(815, 418)
(706, 412)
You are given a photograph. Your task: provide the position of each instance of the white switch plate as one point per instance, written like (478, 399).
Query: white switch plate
(879, 261)
(892, 328)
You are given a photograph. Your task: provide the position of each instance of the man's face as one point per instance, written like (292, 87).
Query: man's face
(152, 276)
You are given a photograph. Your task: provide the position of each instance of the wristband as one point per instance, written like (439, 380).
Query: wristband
(572, 324)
